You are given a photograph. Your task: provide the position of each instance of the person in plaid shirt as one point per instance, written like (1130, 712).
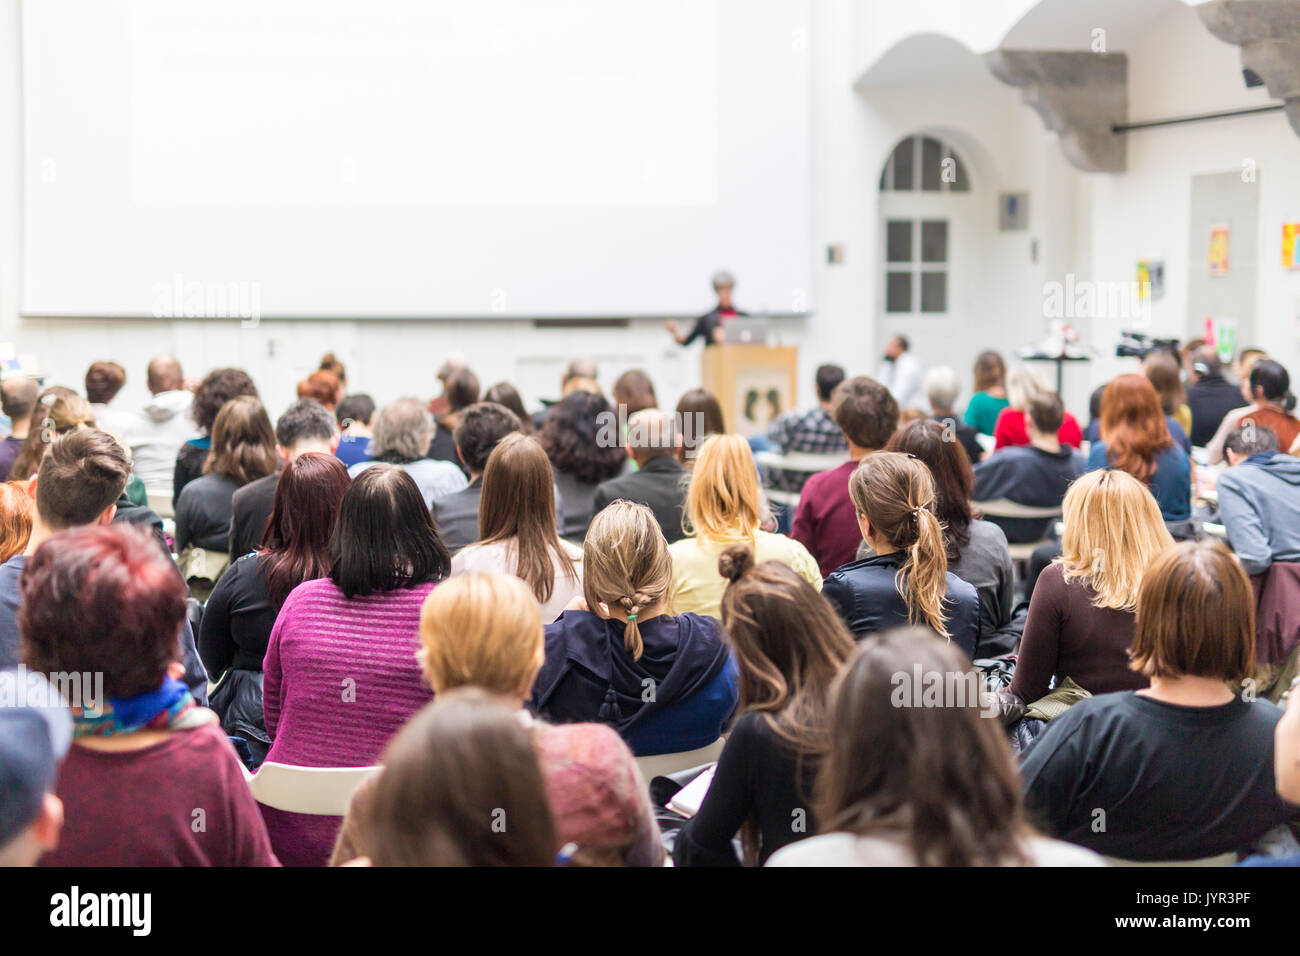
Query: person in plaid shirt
(811, 431)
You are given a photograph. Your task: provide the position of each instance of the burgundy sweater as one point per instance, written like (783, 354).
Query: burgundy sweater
(826, 521)
(1065, 636)
(180, 802)
(339, 679)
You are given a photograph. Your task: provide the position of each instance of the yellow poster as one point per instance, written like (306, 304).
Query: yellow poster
(1218, 257)
(1290, 233)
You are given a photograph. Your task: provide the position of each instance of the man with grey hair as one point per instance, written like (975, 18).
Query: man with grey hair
(306, 426)
(659, 481)
(17, 397)
(1259, 499)
(404, 430)
(709, 326)
(942, 386)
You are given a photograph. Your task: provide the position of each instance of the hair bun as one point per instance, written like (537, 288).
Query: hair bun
(735, 561)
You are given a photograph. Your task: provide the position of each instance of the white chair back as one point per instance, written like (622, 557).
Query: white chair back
(320, 791)
(661, 764)
(1223, 859)
(805, 462)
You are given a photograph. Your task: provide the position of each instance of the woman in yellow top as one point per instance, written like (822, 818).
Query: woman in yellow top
(724, 506)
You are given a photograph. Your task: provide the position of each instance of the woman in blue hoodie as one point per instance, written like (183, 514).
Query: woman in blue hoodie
(665, 682)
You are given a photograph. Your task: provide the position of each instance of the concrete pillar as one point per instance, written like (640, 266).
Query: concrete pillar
(1268, 32)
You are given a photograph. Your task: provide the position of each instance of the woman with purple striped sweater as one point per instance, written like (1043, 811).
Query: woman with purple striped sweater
(340, 675)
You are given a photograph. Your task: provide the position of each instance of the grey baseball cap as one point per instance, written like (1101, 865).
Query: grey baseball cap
(35, 733)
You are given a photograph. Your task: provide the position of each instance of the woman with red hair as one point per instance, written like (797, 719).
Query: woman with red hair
(1135, 438)
(324, 386)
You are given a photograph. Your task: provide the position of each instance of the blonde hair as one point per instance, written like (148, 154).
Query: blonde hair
(1023, 382)
(481, 629)
(724, 502)
(895, 493)
(625, 562)
(1113, 531)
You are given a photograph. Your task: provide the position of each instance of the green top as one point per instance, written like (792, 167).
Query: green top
(135, 491)
(982, 412)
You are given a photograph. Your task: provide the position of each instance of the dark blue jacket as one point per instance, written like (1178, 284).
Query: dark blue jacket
(676, 697)
(866, 597)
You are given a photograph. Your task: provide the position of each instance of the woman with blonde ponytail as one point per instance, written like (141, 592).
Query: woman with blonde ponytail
(907, 581)
(619, 657)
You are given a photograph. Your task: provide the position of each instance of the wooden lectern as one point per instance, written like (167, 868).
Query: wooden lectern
(754, 383)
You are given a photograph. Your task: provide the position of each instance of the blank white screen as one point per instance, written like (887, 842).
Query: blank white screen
(416, 157)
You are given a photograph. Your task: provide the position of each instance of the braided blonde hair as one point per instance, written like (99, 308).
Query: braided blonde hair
(625, 564)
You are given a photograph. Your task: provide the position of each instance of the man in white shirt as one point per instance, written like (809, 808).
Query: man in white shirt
(156, 432)
(902, 374)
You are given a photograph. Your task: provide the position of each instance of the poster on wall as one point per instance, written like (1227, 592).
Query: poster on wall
(1150, 279)
(1290, 234)
(1217, 260)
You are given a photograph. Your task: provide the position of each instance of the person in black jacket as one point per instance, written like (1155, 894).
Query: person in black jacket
(907, 581)
(217, 388)
(659, 482)
(1210, 397)
(481, 428)
(709, 326)
(306, 426)
(789, 645)
(664, 681)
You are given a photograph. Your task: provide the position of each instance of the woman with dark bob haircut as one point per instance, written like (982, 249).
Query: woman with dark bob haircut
(1183, 769)
(340, 674)
(908, 783)
(217, 388)
(239, 616)
(581, 438)
(103, 603)
(977, 549)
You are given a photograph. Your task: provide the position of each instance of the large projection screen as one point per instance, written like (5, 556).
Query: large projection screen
(415, 158)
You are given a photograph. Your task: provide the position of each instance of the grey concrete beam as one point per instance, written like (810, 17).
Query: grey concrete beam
(1268, 32)
(1079, 96)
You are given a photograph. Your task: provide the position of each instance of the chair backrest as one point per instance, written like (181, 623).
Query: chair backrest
(806, 462)
(161, 505)
(662, 764)
(321, 791)
(1003, 508)
(1223, 859)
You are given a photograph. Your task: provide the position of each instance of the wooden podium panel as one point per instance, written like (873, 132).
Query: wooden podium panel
(754, 383)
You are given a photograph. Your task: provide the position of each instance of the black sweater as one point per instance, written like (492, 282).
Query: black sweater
(759, 776)
(237, 619)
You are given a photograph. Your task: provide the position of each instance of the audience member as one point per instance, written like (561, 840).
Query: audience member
(1271, 405)
(517, 530)
(458, 769)
(18, 396)
(990, 395)
(901, 373)
(481, 428)
(633, 392)
(789, 645)
(724, 506)
(1182, 770)
(1012, 428)
(907, 580)
(340, 674)
(441, 405)
(1210, 396)
(1135, 438)
(81, 479)
(602, 657)
(58, 411)
(145, 758)
(942, 388)
(1162, 371)
(699, 417)
(239, 615)
(584, 451)
(976, 549)
(659, 481)
(507, 396)
(354, 415)
(156, 431)
(483, 630)
(35, 733)
(812, 431)
(403, 432)
(1035, 475)
(1081, 614)
(918, 786)
(329, 362)
(305, 427)
(1259, 499)
(461, 390)
(103, 381)
(217, 388)
(15, 520)
(323, 388)
(825, 519)
(242, 450)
